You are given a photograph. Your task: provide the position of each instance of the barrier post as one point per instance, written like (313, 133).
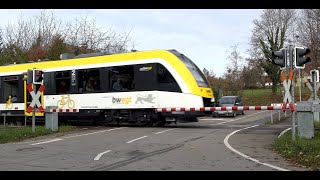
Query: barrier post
(51, 118)
(305, 119)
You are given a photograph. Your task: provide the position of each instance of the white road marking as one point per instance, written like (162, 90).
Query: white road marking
(206, 119)
(284, 131)
(76, 136)
(53, 140)
(99, 155)
(165, 131)
(84, 128)
(246, 156)
(94, 132)
(237, 119)
(137, 139)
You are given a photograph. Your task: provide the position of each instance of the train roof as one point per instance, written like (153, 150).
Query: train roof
(92, 58)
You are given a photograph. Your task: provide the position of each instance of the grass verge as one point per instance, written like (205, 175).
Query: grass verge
(264, 97)
(305, 152)
(13, 134)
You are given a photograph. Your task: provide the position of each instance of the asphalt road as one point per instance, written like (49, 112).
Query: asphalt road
(212, 144)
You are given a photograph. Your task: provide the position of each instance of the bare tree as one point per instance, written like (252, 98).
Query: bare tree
(1, 48)
(233, 74)
(37, 50)
(32, 36)
(252, 77)
(26, 31)
(57, 47)
(269, 34)
(308, 32)
(44, 36)
(47, 26)
(1, 41)
(19, 34)
(85, 36)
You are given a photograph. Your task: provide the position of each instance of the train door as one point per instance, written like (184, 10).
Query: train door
(145, 77)
(11, 92)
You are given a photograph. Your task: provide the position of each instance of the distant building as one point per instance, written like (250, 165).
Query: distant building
(267, 80)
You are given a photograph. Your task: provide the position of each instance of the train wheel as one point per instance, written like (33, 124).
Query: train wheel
(150, 124)
(144, 123)
(160, 123)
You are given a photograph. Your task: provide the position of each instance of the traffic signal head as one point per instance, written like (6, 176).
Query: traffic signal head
(299, 57)
(314, 74)
(28, 76)
(279, 58)
(37, 76)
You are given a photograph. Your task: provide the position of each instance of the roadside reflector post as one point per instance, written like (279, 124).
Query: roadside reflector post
(4, 120)
(34, 114)
(314, 85)
(51, 118)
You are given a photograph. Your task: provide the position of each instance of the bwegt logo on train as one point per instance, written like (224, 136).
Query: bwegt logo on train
(121, 100)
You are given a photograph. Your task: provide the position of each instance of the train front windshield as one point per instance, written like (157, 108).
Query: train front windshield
(197, 74)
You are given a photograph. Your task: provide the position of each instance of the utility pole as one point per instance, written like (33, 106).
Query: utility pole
(34, 113)
(299, 84)
(290, 60)
(296, 38)
(291, 66)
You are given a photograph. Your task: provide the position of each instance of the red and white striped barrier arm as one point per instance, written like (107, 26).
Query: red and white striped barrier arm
(234, 108)
(62, 110)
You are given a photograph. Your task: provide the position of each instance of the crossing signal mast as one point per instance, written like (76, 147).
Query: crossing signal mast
(279, 58)
(28, 76)
(37, 76)
(34, 78)
(296, 58)
(300, 58)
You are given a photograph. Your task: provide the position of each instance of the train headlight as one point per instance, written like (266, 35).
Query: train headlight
(212, 100)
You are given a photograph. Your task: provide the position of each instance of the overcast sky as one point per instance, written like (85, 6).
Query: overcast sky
(204, 35)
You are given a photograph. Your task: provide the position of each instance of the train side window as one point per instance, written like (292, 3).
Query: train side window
(63, 82)
(10, 88)
(121, 79)
(89, 80)
(164, 76)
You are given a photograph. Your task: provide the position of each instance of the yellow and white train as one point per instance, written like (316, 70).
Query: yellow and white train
(112, 88)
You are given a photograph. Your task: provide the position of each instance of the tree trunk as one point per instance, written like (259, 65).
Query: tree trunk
(274, 86)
